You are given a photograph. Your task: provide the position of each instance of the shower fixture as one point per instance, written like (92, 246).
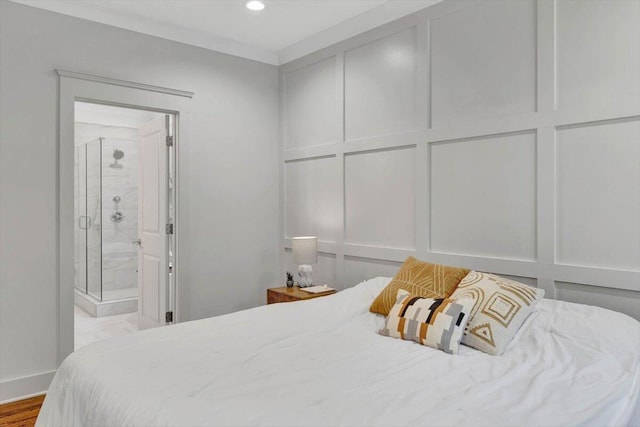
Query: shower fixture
(117, 215)
(117, 155)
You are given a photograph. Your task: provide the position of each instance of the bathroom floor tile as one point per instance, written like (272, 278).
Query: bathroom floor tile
(89, 329)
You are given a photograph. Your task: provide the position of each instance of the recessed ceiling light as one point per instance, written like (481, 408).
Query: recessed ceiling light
(255, 5)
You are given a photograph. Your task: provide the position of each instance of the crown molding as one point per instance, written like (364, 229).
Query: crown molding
(151, 28)
(366, 21)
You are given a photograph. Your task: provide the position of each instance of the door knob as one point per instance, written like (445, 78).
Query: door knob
(137, 242)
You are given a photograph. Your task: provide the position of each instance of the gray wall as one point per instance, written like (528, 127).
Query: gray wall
(230, 164)
(501, 136)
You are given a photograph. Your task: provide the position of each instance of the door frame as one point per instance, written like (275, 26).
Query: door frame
(74, 87)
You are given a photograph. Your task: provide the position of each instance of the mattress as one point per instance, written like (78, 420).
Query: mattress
(322, 363)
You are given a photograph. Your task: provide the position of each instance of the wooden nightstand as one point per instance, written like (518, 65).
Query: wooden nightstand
(285, 294)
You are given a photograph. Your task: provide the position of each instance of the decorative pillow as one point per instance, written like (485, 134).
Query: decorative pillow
(421, 279)
(437, 323)
(501, 307)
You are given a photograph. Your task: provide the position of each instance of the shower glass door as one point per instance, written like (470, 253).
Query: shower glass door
(80, 214)
(88, 214)
(94, 214)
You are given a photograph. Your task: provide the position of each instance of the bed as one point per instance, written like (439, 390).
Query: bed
(321, 363)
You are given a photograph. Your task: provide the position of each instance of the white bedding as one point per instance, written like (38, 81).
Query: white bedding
(321, 363)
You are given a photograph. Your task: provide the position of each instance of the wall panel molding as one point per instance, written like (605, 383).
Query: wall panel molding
(306, 153)
(483, 196)
(548, 118)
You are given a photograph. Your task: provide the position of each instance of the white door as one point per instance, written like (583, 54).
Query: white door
(153, 188)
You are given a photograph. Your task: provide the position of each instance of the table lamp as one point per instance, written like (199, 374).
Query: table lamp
(305, 252)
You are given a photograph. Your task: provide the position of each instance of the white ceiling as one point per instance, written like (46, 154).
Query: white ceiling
(283, 31)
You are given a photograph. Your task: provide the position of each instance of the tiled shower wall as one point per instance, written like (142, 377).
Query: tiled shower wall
(119, 255)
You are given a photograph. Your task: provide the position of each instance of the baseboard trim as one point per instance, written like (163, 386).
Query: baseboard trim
(25, 387)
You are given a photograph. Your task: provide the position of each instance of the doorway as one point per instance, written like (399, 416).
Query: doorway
(73, 87)
(124, 241)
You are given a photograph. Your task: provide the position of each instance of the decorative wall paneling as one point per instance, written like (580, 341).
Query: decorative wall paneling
(500, 136)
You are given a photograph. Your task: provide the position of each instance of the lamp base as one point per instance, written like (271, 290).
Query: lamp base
(304, 276)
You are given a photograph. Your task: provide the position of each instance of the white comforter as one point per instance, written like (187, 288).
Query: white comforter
(321, 363)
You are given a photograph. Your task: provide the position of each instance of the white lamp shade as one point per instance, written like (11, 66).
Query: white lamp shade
(305, 250)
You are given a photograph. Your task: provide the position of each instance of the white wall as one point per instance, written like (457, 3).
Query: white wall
(502, 136)
(229, 167)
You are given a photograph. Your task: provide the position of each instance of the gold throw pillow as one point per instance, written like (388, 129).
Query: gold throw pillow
(421, 279)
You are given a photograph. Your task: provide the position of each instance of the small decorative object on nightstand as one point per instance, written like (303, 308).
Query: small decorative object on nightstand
(289, 280)
(295, 293)
(305, 252)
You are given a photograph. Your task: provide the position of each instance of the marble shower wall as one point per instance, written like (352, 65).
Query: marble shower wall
(119, 256)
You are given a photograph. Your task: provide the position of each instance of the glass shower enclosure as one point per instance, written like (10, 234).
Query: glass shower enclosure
(105, 186)
(88, 214)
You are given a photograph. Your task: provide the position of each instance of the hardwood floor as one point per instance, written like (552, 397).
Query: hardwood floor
(22, 413)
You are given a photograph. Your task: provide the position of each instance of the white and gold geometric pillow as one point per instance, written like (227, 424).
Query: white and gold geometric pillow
(437, 323)
(501, 307)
